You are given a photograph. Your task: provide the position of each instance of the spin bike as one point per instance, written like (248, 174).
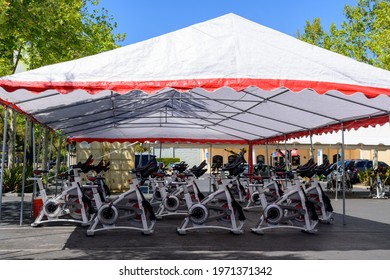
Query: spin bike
(215, 176)
(160, 181)
(130, 210)
(178, 201)
(316, 194)
(378, 185)
(218, 210)
(235, 170)
(73, 204)
(99, 180)
(292, 210)
(262, 191)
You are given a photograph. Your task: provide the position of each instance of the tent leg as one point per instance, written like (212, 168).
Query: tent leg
(34, 163)
(209, 165)
(24, 171)
(267, 161)
(250, 159)
(311, 146)
(337, 185)
(343, 168)
(286, 159)
(3, 156)
(58, 161)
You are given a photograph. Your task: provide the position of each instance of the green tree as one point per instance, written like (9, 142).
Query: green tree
(42, 32)
(364, 34)
(50, 31)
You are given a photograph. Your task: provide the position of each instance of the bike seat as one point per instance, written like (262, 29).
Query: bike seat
(158, 174)
(62, 175)
(91, 178)
(40, 171)
(199, 173)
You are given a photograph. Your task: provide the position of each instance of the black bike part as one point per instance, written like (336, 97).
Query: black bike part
(86, 164)
(108, 214)
(309, 163)
(146, 170)
(172, 203)
(101, 195)
(202, 165)
(149, 207)
(255, 197)
(241, 187)
(180, 167)
(99, 167)
(198, 214)
(321, 169)
(106, 189)
(326, 200)
(237, 206)
(327, 203)
(273, 214)
(201, 196)
(52, 208)
(88, 202)
(312, 210)
(231, 166)
(106, 167)
(281, 191)
(310, 207)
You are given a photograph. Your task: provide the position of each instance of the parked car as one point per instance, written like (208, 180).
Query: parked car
(354, 166)
(350, 167)
(365, 164)
(361, 164)
(370, 164)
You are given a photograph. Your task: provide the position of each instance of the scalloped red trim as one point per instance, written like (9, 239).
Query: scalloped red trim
(184, 85)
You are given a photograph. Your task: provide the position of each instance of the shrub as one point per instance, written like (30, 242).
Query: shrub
(13, 177)
(364, 176)
(167, 161)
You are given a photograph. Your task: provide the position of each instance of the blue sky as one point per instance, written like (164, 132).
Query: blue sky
(145, 19)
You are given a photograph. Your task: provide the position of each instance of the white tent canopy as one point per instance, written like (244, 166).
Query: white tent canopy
(365, 136)
(265, 86)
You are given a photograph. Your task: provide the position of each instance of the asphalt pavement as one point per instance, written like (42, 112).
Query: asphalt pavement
(360, 230)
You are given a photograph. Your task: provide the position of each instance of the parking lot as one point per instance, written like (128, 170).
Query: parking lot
(363, 233)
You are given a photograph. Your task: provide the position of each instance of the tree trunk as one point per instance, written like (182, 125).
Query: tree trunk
(45, 150)
(11, 139)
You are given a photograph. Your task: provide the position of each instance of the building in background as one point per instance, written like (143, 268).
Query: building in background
(360, 144)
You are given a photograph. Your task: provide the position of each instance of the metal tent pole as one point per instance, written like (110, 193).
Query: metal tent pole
(3, 156)
(210, 159)
(250, 159)
(51, 149)
(40, 146)
(311, 146)
(286, 159)
(209, 165)
(34, 162)
(336, 181)
(24, 171)
(69, 164)
(267, 159)
(58, 161)
(343, 168)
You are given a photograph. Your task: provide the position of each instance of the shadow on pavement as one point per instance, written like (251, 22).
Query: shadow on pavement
(71, 242)
(165, 243)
